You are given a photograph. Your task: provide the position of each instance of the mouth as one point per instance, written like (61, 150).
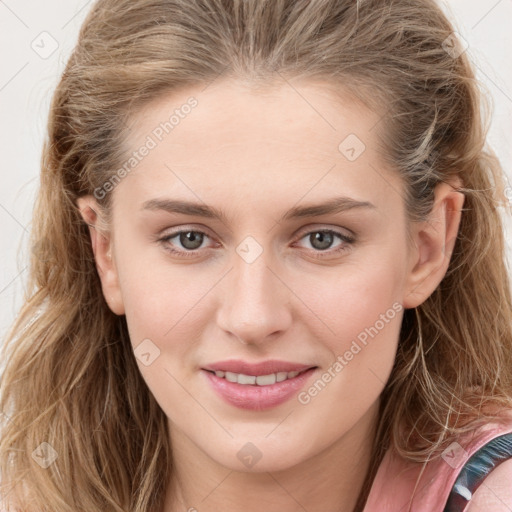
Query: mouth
(257, 386)
(257, 380)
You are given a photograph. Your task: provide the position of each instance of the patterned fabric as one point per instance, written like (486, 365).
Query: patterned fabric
(476, 469)
(445, 483)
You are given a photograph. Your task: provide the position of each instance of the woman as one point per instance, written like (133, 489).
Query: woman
(270, 269)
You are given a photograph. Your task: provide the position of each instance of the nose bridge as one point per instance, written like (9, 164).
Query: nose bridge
(256, 302)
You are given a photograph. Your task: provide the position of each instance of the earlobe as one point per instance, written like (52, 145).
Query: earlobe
(434, 240)
(101, 243)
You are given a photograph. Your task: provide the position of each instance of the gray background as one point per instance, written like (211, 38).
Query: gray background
(36, 40)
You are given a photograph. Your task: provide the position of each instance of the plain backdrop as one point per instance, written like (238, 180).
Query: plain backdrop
(37, 38)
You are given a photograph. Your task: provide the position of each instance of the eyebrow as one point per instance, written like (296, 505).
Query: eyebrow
(334, 205)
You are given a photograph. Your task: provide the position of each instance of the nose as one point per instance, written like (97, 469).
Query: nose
(256, 301)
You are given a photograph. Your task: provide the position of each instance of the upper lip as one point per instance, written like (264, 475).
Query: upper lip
(263, 368)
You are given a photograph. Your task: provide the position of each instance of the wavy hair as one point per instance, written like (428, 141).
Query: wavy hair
(71, 378)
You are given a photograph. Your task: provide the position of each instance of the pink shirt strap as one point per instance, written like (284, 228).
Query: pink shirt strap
(403, 486)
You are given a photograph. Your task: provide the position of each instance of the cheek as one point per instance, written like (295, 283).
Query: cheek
(158, 295)
(361, 315)
(161, 304)
(353, 297)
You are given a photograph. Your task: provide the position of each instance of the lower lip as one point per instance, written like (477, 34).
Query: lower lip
(254, 397)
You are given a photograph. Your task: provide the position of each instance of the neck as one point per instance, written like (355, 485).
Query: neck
(331, 480)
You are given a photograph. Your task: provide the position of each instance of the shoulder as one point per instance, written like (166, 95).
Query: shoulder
(485, 480)
(495, 492)
(449, 481)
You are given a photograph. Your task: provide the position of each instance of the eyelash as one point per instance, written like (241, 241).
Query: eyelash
(348, 241)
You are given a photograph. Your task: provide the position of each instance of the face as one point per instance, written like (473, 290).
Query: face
(255, 281)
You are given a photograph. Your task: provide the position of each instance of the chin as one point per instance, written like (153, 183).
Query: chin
(258, 457)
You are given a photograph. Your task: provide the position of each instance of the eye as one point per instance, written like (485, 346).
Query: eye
(190, 241)
(322, 240)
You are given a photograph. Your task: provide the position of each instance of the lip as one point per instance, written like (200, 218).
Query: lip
(254, 397)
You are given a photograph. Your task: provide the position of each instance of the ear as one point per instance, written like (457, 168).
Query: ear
(102, 247)
(433, 242)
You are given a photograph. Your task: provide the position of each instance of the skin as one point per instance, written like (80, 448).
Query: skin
(495, 492)
(256, 154)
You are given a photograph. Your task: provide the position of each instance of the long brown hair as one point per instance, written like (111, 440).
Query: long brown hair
(71, 379)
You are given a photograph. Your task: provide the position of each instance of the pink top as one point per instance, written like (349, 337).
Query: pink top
(394, 485)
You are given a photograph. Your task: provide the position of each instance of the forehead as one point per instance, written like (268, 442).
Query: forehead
(289, 136)
(237, 111)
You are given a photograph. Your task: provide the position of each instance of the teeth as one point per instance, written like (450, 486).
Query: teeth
(265, 380)
(232, 377)
(260, 380)
(246, 379)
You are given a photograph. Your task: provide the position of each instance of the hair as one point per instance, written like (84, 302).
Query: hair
(71, 379)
